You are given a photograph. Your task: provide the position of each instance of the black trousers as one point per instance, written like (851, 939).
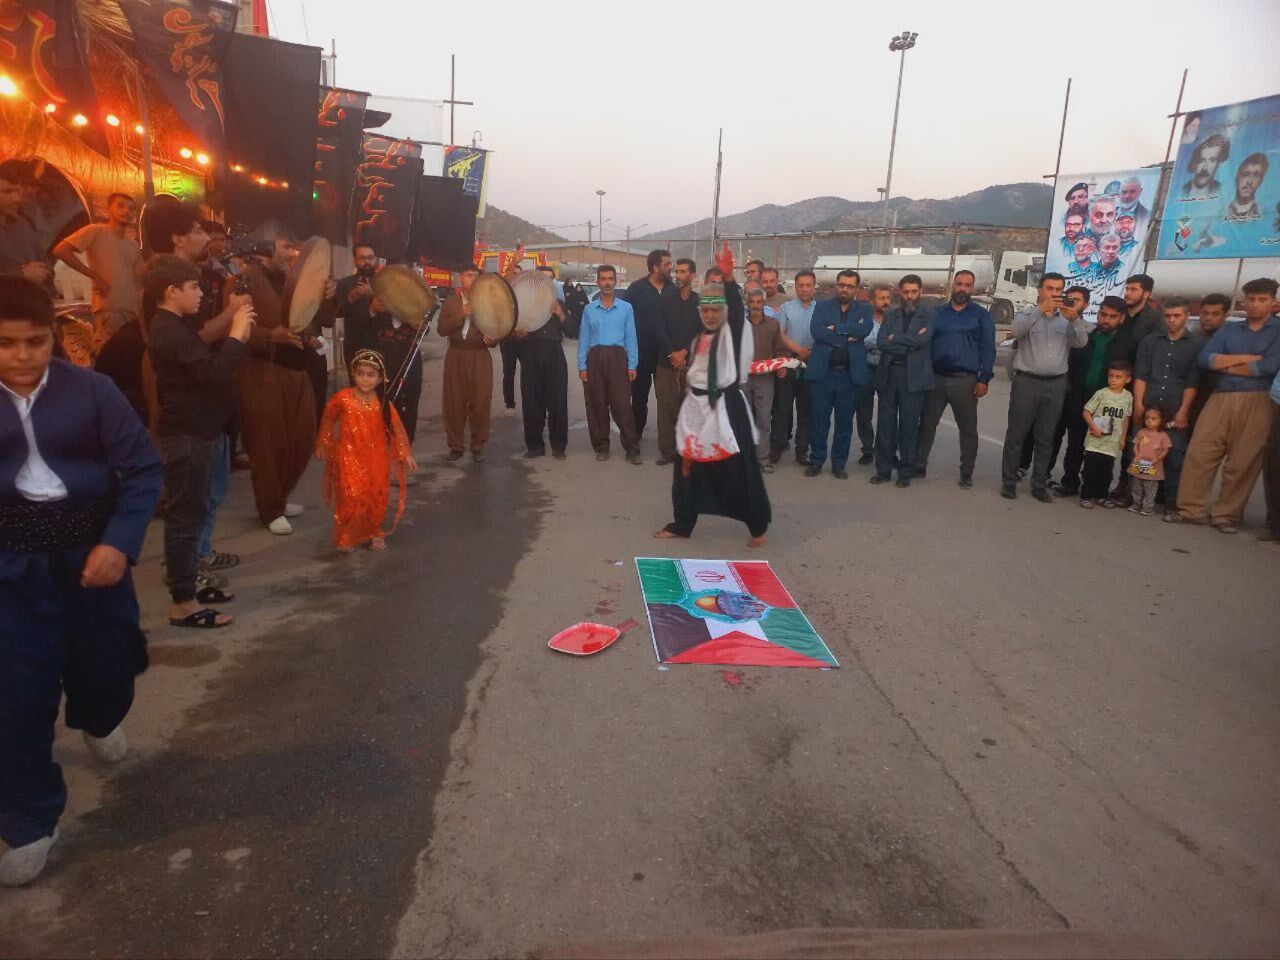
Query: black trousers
(1074, 431)
(188, 469)
(58, 638)
(510, 350)
(898, 425)
(318, 373)
(406, 402)
(790, 406)
(866, 419)
(544, 394)
(1098, 471)
(640, 394)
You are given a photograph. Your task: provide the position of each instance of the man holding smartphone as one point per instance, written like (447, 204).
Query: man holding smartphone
(1045, 335)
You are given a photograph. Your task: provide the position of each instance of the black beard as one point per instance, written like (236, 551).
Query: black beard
(366, 270)
(959, 298)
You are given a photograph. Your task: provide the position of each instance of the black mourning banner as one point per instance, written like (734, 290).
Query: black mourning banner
(184, 45)
(386, 188)
(339, 137)
(272, 91)
(443, 233)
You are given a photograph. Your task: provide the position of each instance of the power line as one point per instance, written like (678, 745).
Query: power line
(306, 31)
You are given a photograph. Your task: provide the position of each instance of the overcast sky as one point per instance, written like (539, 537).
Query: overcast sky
(578, 96)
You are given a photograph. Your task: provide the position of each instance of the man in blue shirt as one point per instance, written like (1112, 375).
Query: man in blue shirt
(838, 372)
(964, 355)
(608, 355)
(1235, 424)
(791, 397)
(79, 481)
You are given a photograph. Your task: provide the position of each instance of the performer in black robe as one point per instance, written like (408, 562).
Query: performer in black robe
(717, 471)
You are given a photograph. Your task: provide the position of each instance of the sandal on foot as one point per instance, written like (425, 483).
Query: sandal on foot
(665, 534)
(206, 619)
(212, 594)
(377, 543)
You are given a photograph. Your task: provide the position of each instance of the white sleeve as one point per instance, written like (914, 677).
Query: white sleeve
(746, 352)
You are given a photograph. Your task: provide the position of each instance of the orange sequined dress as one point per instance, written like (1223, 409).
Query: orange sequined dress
(358, 457)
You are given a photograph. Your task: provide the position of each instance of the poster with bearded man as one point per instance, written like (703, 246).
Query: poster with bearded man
(1224, 196)
(1099, 228)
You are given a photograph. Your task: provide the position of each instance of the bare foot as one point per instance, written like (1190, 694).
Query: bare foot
(665, 534)
(377, 543)
(345, 549)
(756, 543)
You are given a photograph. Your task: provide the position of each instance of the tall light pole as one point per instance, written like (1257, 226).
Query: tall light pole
(899, 44)
(600, 194)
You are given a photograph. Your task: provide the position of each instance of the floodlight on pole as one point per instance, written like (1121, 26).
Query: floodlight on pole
(899, 44)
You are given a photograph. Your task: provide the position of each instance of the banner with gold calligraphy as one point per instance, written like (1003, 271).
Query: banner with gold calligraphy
(42, 55)
(184, 45)
(339, 135)
(386, 187)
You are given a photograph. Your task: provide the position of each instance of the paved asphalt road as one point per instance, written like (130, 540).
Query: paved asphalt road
(1044, 719)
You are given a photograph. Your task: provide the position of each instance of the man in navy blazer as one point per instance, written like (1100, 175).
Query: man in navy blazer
(838, 372)
(79, 481)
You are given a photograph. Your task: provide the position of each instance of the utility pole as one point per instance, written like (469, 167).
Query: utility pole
(589, 226)
(600, 197)
(899, 44)
(453, 100)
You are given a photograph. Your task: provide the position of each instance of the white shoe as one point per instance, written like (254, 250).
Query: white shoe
(294, 509)
(21, 865)
(280, 527)
(109, 749)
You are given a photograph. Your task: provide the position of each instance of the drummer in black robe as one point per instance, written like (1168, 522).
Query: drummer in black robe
(397, 341)
(717, 471)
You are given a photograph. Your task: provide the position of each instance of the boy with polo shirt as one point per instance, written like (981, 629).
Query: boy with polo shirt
(1107, 414)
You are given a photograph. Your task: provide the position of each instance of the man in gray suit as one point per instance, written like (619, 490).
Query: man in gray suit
(904, 380)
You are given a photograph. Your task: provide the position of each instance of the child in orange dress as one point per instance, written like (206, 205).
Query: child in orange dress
(361, 436)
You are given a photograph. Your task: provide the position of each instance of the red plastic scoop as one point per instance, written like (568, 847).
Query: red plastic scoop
(584, 639)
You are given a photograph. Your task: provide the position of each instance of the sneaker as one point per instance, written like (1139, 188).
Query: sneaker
(280, 526)
(559, 454)
(1134, 508)
(602, 455)
(292, 510)
(1149, 512)
(1009, 491)
(1227, 527)
(635, 459)
(477, 456)
(813, 469)
(1087, 504)
(866, 459)
(876, 478)
(902, 482)
(21, 865)
(220, 561)
(109, 749)
(966, 481)
(454, 455)
(840, 474)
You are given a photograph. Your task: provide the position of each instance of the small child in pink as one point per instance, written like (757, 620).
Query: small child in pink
(1150, 447)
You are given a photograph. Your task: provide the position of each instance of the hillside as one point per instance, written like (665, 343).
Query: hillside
(1014, 204)
(501, 229)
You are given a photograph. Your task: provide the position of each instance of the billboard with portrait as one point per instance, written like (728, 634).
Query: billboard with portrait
(1224, 195)
(1098, 227)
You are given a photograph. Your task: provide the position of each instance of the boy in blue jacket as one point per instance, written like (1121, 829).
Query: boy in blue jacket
(79, 481)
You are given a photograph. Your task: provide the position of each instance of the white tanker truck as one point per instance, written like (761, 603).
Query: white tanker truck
(1013, 285)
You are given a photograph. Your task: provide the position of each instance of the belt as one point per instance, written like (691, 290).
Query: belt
(731, 388)
(1041, 376)
(898, 362)
(43, 526)
(956, 373)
